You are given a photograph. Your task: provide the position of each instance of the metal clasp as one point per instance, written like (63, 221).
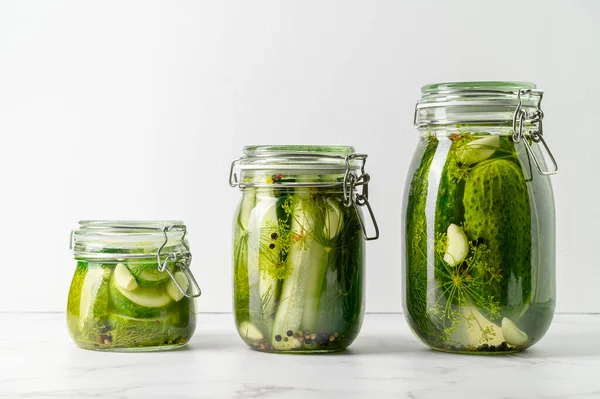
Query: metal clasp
(358, 199)
(521, 117)
(233, 180)
(183, 261)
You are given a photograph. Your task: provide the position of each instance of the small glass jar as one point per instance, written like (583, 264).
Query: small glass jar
(132, 289)
(479, 228)
(298, 247)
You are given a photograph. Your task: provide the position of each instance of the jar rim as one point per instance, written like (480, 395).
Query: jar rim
(298, 157)
(313, 149)
(495, 85)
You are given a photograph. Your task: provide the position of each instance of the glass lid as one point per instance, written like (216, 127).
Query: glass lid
(128, 238)
(486, 102)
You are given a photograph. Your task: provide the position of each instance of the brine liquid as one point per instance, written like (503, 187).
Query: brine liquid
(496, 293)
(100, 318)
(298, 270)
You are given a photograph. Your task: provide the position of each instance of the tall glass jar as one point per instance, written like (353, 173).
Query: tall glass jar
(132, 289)
(478, 222)
(298, 247)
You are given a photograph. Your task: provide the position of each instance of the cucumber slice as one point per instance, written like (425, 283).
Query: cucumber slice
(93, 302)
(262, 223)
(304, 253)
(141, 302)
(147, 274)
(74, 300)
(174, 291)
(182, 313)
(124, 278)
(334, 220)
(249, 331)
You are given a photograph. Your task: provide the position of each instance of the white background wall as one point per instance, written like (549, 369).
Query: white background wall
(135, 109)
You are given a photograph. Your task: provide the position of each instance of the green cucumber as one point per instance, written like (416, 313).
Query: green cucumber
(172, 288)
(304, 252)
(249, 332)
(416, 299)
(241, 290)
(147, 273)
(93, 303)
(332, 225)
(124, 278)
(449, 207)
(142, 302)
(262, 224)
(182, 313)
(74, 300)
(497, 212)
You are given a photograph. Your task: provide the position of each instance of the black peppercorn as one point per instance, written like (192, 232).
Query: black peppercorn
(278, 338)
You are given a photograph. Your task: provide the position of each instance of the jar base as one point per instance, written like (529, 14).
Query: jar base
(299, 352)
(162, 348)
(478, 352)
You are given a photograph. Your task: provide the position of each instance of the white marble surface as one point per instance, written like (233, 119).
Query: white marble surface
(38, 360)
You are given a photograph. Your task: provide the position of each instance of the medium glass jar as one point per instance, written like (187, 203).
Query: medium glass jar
(298, 247)
(132, 289)
(478, 222)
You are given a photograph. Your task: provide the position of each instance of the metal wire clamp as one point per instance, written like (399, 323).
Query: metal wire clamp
(183, 261)
(358, 199)
(520, 118)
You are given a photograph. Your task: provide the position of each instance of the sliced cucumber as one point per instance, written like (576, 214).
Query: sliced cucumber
(320, 263)
(124, 278)
(334, 220)
(261, 225)
(249, 331)
(182, 313)
(246, 206)
(174, 291)
(93, 302)
(303, 252)
(141, 302)
(147, 274)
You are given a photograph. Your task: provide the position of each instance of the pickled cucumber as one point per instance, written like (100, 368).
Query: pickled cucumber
(147, 274)
(497, 214)
(141, 302)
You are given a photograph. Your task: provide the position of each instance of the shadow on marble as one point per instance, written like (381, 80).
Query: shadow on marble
(575, 344)
(387, 344)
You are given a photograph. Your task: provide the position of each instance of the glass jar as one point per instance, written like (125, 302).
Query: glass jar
(479, 229)
(132, 287)
(298, 247)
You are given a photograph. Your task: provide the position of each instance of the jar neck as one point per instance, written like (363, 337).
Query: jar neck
(272, 178)
(472, 129)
